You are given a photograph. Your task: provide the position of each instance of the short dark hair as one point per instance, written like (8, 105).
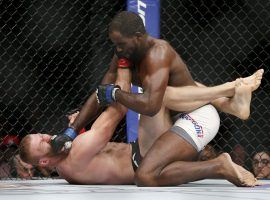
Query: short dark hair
(127, 23)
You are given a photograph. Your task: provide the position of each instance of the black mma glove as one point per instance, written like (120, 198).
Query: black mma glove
(63, 141)
(106, 93)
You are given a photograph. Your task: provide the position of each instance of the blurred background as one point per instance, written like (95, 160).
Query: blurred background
(54, 53)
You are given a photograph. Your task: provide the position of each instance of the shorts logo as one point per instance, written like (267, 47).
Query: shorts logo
(198, 128)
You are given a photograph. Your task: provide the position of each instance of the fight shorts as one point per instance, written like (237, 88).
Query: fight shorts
(136, 157)
(198, 127)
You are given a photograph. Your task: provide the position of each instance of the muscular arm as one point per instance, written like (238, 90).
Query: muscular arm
(87, 145)
(155, 79)
(91, 108)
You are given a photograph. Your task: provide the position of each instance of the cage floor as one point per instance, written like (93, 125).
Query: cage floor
(60, 189)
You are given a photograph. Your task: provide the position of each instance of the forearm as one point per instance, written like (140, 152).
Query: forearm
(124, 81)
(88, 112)
(109, 119)
(139, 103)
(148, 103)
(91, 109)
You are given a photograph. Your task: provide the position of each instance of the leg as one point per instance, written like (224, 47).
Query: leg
(179, 99)
(239, 104)
(160, 155)
(168, 165)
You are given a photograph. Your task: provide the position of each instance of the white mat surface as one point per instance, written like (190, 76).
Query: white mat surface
(60, 189)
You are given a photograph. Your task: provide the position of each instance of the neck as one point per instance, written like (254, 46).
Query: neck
(56, 160)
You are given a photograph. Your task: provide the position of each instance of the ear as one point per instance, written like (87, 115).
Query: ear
(43, 162)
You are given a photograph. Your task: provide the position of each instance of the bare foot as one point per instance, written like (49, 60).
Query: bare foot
(248, 176)
(240, 102)
(231, 172)
(254, 80)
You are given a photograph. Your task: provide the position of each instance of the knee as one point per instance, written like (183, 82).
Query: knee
(144, 179)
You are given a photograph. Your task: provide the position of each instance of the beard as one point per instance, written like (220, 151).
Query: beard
(129, 56)
(119, 54)
(50, 152)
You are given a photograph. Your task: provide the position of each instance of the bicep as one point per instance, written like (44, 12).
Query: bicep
(86, 146)
(155, 84)
(158, 66)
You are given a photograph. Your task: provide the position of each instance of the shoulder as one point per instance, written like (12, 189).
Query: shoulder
(161, 52)
(161, 46)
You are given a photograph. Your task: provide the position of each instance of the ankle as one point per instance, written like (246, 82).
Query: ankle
(229, 88)
(219, 167)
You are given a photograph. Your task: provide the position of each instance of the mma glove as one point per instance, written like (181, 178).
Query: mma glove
(106, 93)
(63, 141)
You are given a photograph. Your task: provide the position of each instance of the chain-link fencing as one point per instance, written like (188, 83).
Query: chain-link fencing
(52, 56)
(221, 41)
(54, 53)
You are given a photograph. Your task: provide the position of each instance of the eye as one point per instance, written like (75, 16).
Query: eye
(265, 161)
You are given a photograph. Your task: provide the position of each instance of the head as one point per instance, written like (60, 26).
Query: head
(128, 33)
(261, 164)
(35, 149)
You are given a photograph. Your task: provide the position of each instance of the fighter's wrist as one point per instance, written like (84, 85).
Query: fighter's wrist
(114, 92)
(70, 132)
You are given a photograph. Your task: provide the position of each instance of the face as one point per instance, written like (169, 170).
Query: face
(261, 165)
(40, 145)
(126, 47)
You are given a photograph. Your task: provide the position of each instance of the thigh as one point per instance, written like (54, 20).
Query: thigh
(168, 148)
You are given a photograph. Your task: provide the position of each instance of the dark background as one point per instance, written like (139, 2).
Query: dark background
(54, 53)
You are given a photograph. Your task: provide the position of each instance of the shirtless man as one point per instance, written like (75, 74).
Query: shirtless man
(172, 148)
(92, 158)
(156, 65)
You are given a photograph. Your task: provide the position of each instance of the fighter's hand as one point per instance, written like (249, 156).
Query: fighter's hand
(71, 117)
(63, 142)
(106, 93)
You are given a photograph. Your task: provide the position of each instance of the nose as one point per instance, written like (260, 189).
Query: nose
(260, 164)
